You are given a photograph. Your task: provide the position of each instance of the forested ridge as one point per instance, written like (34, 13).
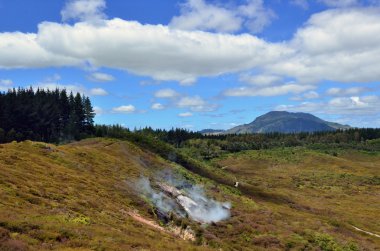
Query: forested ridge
(44, 115)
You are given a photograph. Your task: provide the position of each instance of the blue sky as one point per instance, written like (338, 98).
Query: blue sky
(199, 64)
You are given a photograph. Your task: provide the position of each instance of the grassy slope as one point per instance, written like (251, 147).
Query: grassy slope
(325, 193)
(75, 196)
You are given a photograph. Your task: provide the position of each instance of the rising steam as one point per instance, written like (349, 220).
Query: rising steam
(182, 198)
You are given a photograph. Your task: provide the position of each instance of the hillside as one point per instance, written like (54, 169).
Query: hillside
(78, 197)
(286, 122)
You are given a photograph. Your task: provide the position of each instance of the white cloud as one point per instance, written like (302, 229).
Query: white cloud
(166, 93)
(311, 95)
(196, 104)
(347, 92)
(191, 101)
(21, 50)
(341, 45)
(257, 17)
(98, 92)
(156, 50)
(340, 3)
(306, 96)
(260, 80)
(188, 81)
(84, 10)
(185, 114)
(6, 82)
(100, 77)
(158, 106)
(124, 109)
(200, 15)
(247, 91)
(358, 106)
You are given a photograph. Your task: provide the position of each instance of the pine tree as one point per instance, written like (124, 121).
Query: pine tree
(2, 135)
(89, 116)
(44, 115)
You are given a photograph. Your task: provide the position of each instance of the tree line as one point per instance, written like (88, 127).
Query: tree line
(56, 116)
(211, 146)
(45, 115)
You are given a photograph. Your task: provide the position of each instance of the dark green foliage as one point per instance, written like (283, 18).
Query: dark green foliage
(44, 115)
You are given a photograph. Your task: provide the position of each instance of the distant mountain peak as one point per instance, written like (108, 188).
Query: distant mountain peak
(286, 122)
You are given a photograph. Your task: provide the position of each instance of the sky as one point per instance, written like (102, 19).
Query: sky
(199, 64)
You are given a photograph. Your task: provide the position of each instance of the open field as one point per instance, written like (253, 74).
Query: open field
(76, 197)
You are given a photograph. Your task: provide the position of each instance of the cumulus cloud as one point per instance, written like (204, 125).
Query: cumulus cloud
(200, 15)
(156, 50)
(100, 77)
(311, 95)
(196, 104)
(341, 45)
(98, 92)
(157, 106)
(185, 114)
(257, 17)
(353, 91)
(22, 50)
(124, 109)
(306, 96)
(84, 10)
(268, 91)
(261, 79)
(359, 106)
(166, 93)
(6, 82)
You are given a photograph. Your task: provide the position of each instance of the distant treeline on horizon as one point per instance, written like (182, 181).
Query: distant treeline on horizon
(357, 137)
(55, 116)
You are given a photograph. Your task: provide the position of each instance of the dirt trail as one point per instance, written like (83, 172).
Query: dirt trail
(187, 235)
(150, 223)
(363, 231)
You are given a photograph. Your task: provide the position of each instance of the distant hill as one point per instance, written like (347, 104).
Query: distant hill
(286, 122)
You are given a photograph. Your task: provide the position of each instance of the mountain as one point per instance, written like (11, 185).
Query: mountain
(286, 122)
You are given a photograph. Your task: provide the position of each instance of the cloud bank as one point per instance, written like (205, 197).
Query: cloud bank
(341, 45)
